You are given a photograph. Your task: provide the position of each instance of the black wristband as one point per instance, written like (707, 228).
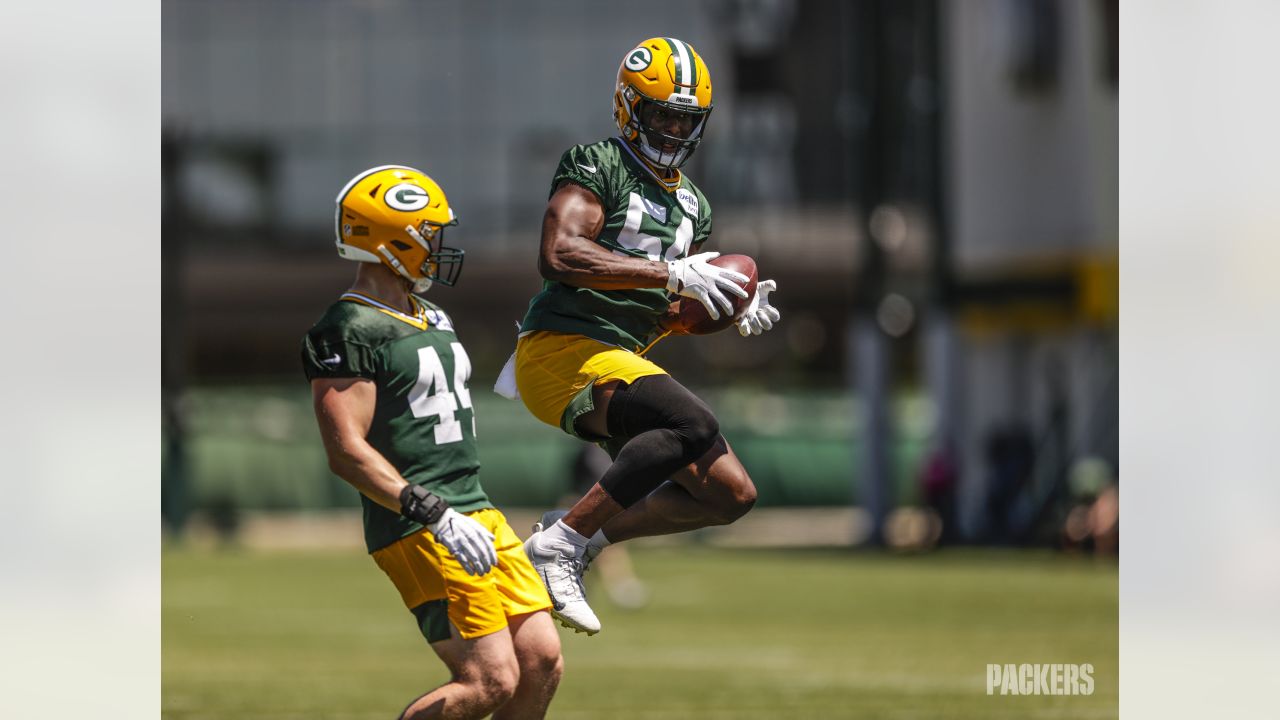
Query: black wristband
(421, 505)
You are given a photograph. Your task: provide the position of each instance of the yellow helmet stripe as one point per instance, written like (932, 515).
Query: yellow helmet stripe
(686, 68)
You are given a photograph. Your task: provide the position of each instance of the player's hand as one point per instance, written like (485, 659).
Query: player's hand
(697, 278)
(466, 540)
(760, 315)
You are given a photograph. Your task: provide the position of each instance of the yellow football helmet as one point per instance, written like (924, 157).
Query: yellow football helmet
(396, 216)
(666, 72)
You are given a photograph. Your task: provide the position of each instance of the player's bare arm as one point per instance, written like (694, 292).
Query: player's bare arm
(344, 410)
(570, 254)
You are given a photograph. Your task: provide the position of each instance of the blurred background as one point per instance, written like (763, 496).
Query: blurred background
(932, 184)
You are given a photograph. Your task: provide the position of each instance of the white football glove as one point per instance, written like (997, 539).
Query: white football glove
(467, 540)
(697, 278)
(760, 315)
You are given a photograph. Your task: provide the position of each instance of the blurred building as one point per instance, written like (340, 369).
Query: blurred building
(932, 184)
(1029, 348)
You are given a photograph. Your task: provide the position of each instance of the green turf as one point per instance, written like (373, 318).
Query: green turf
(730, 634)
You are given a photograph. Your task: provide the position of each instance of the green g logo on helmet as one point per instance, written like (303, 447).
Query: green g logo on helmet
(639, 59)
(406, 197)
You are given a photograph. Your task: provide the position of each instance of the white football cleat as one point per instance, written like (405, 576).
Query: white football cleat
(549, 518)
(562, 576)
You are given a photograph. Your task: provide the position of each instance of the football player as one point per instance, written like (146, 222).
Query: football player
(389, 383)
(624, 227)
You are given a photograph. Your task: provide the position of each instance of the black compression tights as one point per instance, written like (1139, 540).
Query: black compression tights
(666, 427)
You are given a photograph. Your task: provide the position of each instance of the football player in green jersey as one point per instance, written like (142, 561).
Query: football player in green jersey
(623, 228)
(389, 384)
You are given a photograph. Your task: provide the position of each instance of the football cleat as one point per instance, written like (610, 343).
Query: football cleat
(562, 576)
(396, 216)
(549, 518)
(668, 73)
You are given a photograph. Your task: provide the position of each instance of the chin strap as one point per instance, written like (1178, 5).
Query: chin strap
(418, 285)
(668, 176)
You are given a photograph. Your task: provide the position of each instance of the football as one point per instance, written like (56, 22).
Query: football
(687, 316)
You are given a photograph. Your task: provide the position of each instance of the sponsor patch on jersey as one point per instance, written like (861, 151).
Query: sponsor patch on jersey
(439, 320)
(688, 201)
(654, 210)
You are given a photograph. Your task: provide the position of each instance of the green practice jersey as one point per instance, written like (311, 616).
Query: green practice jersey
(644, 217)
(423, 424)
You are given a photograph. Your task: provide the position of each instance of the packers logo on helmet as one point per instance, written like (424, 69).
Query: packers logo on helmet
(668, 73)
(407, 197)
(639, 59)
(396, 216)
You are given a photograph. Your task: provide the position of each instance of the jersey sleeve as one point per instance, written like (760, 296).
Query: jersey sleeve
(329, 355)
(582, 164)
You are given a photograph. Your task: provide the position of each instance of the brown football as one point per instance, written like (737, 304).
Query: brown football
(689, 317)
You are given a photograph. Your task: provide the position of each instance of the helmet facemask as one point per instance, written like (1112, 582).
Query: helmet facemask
(442, 264)
(650, 140)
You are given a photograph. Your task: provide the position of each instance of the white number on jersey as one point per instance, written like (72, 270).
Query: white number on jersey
(631, 238)
(431, 396)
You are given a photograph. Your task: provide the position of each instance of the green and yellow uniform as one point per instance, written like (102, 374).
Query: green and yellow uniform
(424, 425)
(573, 338)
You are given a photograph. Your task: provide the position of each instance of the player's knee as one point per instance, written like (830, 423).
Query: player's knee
(659, 402)
(498, 682)
(542, 660)
(699, 429)
(739, 498)
(744, 497)
(547, 668)
(494, 683)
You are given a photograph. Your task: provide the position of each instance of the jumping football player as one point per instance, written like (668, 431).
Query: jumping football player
(389, 384)
(623, 228)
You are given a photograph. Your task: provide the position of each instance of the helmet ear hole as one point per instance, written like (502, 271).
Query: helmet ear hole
(401, 245)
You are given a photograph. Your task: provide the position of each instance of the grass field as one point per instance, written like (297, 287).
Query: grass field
(730, 634)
